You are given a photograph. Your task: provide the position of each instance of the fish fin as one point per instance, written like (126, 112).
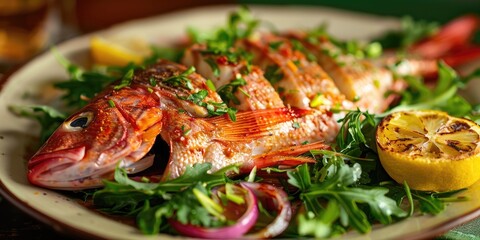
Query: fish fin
(286, 156)
(151, 133)
(251, 125)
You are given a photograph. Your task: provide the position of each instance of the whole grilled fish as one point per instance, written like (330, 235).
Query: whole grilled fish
(119, 127)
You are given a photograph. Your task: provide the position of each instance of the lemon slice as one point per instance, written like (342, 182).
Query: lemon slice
(430, 150)
(118, 51)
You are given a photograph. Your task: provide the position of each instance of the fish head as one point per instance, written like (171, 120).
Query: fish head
(84, 149)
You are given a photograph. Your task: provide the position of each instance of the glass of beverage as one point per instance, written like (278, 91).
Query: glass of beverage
(23, 29)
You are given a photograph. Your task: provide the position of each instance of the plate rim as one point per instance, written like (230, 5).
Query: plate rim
(69, 230)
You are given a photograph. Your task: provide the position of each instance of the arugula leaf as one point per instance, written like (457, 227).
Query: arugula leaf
(320, 225)
(427, 202)
(121, 178)
(154, 202)
(84, 85)
(184, 206)
(444, 96)
(80, 89)
(48, 117)
(337, 187)
(351, 129)
(151, 219)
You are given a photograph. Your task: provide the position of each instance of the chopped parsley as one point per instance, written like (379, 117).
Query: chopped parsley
(227, 91)
(211, 85)
(126, 80)
(214, 66)
(274, 46)
(298, 46)
(186, 131)
(213, 108)
(181, 80)
(111, 103)
(273, 74)
(153, 81)
(240, 25)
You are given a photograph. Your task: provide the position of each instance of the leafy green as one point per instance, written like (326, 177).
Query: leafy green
(84, 85)
(352, 201)
(48, 117)
(273, 74)
(181, 80)
(411, 31)
(351, 130)
(240, 25)
(214, 66)
(152, 203)
(319, 225)
(354, 48)
(168, 53)
(213, 108)
(356, 140)
(444, 96)
(227, 91)
(126, 80)
(298, 46)
(427, 202)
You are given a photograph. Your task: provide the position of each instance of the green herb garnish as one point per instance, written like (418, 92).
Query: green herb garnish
(227, 91)
(181, 80)
(273, 74)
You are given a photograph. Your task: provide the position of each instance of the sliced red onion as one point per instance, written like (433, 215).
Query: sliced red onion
(284, 210)
(242, 226)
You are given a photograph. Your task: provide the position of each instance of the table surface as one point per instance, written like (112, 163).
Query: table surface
(15, 224)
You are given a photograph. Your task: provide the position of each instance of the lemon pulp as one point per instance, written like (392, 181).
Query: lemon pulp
(117, 51)
(430, 150)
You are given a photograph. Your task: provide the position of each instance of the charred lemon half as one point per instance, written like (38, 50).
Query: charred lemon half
(430, 150)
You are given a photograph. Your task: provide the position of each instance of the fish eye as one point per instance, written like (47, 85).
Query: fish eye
(79, 122)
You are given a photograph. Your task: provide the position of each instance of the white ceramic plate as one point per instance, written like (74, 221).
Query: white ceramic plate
(66, 215)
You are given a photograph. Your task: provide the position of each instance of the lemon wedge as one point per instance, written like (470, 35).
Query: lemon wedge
(430, 150)
(118, 51)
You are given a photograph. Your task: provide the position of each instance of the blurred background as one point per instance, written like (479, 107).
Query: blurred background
(28, 27)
